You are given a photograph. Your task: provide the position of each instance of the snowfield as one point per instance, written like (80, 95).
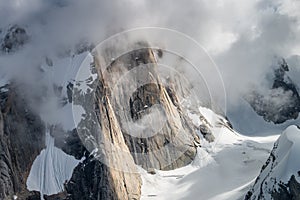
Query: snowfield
(224, 169)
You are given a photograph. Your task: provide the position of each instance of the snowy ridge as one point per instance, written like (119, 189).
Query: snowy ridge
(288, 154)
(51, 169)
(283, 163)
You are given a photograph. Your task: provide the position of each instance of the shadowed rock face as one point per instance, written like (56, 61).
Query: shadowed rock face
(289, 191)
(285, 191)
(94, 180)
(142, 99)
(21, 140)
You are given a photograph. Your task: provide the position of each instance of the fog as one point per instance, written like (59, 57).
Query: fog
(242, 37)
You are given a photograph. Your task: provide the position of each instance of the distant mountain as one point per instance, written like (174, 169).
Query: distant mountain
(282, 101)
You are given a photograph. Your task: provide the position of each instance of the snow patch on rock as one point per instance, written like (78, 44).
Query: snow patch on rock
(51, 169)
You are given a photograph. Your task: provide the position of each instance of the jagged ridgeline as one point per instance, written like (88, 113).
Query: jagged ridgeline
(279, 176)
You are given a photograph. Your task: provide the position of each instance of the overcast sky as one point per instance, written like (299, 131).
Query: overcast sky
(242, 37)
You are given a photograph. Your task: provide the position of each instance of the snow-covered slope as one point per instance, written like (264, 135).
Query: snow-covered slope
(51, 169)
(223, 169)
(281, 170)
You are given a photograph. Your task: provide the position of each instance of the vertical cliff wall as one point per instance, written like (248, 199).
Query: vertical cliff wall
(21, 140)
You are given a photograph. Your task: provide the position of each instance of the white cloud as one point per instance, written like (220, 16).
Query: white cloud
(242, 36)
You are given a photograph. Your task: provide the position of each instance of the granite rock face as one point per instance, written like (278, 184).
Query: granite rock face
(94, 180)
(21, 140)
(140, 99)
(120, 105)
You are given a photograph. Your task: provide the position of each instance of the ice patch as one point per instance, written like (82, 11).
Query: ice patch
(85, 76)
(51, 169)
(78, 113)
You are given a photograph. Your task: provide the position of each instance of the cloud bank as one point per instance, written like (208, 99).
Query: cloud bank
(242, 37)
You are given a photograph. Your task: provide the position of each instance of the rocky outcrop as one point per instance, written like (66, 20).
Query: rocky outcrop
(206, 132)
(15, 37)
(94, 180)
(281, 102)
(289, 191)
(69, 142)
(21, 140)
